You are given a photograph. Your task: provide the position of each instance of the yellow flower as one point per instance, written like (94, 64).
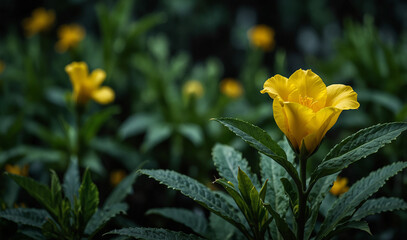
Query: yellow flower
(193, 88)
(262, 36)
(69, 36)
(2, 66)
(15, 169)
(231, 88)
(117, 176)
(41, 20)
(87, 86)
(340, 186)
(305, 109)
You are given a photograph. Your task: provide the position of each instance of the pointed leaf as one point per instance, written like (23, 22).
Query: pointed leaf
(245, 185)
(102, 216)
(282, 226)
(197, 192)
(360, 191)
(56, 189)
(227, 161)
(72, 181)
(153, 234)
(375, 206)
(89, 197)
(361, 225)
(121, 190)
(358, 146)
(196, 222)
(26, 216)
(259, 139)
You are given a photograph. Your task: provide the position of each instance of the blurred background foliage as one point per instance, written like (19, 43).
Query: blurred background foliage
(174, 65)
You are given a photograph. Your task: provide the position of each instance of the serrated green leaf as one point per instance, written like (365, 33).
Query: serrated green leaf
(88, 197)
(259, 139)
(199, 193)
(375, 206)
(39, 191)
(361, 225)
(121, 190)
(154, 233)
(26, 216)
(222, 229)
(72, 181)
(136, 124)
(282, 226)
(102, 216)
(56, 189)
(227, 161)
(232, 191)
(196, 222)
(357, 146)
(360, 191)
(32, 233)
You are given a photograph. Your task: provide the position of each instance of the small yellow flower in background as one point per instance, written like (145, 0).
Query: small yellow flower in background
(21, 205)
(87, 86)
(116, 177)
(40, 20)
(262, 36)
(15, 169)
(340, 186)
(193, 88)
(2, 66)
(231, 88)
(69, 37)
(305, 109)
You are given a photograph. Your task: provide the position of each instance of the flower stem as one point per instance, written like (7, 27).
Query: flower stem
(302, 195)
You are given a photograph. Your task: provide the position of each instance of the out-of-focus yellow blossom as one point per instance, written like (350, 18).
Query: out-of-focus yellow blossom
(117, 176)
(15, 169)
(231, 88)
(87, 86)
(305, 109)
(340, 186)
(193, 88)
(69, 36)
(262, 36)
(40, 20)
(21, 205)
(2, 66)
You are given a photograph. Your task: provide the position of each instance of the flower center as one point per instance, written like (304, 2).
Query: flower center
(308, 102)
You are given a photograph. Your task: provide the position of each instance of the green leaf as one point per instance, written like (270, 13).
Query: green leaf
(357, 146)
(39, 191)
(259, 139)
(72, 182)
(192, 132)
(121, 190)
(102, 216)
(26, 216)
(361, 225)
(94, 122)
(136, 124)
(375, 206)
(291, 193)
(195, 221)
(232, 191)
(88, 197)
(153, 234)
(56, 190)
(282, 226)
(227, 161)
(360, 191)
(199, 193)
(155, 135)
(222, 229)
(245, 186)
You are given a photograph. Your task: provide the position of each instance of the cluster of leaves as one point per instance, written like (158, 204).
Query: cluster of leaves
(245, 207)
(71, 210)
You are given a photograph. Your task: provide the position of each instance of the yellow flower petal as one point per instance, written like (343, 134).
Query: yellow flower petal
(103, 95)
(97, 77)
(320, 124)
(310, 89)
(78, 72)
(278, 86)
(342, 97)
(298, 117)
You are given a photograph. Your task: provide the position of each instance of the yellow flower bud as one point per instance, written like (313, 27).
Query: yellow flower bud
(117, 176)
(193, 88)
(41, 20)
(340, 186)
(305, 109)
(69, 37)
(87, 86)
(231, 88)
(262, 36)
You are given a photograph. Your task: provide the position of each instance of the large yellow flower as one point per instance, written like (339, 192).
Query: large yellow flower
(305, 109)
(87, 86)
(69, 36)
(41, 20)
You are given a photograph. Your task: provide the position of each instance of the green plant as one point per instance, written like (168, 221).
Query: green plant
(287, 204)
(70, 210)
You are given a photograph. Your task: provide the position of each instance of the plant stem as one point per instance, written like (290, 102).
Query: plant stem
(302, 195)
